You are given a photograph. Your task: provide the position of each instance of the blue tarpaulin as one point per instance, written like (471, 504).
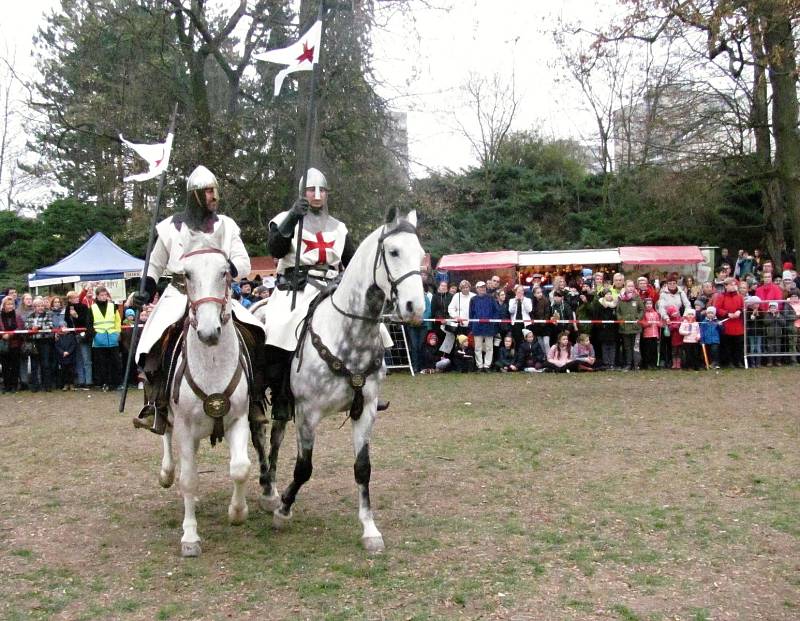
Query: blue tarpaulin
(97, 259)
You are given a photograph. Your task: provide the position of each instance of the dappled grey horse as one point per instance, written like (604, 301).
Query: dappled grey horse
(338, 366)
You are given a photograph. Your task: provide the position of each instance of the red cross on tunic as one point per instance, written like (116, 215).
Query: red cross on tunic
(321, 245)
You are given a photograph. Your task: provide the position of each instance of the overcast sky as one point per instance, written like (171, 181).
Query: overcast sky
(422, 63)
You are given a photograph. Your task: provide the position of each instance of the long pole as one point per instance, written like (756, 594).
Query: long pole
(310, 117)
(143, 280)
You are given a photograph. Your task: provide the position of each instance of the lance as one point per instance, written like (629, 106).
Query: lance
(143, 280)
(310, 119)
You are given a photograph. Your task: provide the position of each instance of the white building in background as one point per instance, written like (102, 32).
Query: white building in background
(677, 127)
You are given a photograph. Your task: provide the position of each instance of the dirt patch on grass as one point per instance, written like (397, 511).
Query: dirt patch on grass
(646, 496)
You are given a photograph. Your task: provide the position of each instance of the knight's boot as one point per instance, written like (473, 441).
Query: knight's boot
(153, 416)
(383, 405)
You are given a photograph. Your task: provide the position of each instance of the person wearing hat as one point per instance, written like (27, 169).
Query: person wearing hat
(106, 330)
(246, 296)
(482, 307)
(690, 330)
(463, 355)
(531, 358)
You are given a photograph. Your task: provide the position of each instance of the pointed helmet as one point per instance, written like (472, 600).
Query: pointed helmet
(200, 179)
(314, 179)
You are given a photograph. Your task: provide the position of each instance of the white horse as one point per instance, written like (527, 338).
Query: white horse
(210, 394)
(339, 363)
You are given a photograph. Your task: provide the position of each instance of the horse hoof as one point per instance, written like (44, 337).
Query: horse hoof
(166, 479)
(270, 504)
(373, 545)
(279, 520)
(237, 515)
(190, 549)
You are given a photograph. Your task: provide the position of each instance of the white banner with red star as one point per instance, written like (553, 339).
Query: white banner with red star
(301, 55)
(156, 156)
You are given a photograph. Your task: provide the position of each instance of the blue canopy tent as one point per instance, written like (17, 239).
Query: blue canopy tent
(97, 259)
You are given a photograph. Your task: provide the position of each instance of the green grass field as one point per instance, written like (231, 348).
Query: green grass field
(647, 496)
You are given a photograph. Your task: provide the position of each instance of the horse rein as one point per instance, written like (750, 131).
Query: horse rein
(223, 302)
(380, 256)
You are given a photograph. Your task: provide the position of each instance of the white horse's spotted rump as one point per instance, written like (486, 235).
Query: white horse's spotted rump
(384, 267)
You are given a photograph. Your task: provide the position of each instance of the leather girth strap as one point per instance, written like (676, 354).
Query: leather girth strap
(338, 367)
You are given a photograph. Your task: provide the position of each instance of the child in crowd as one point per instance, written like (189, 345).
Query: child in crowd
(755, 330)
(559, 358)
(651, 330)
(433, 360)
(690, 330)
(675, 337)
(66, 346)
(530, 357)
(507, 356)
(607, 332)
(463, 355)
(774, 324)
(709, 336)
(583, 353)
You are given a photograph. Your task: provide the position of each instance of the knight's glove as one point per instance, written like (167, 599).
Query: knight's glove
(140, 298)
(298, 210)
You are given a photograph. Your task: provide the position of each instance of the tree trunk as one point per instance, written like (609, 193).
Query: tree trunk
(780, 49)
(771, 197)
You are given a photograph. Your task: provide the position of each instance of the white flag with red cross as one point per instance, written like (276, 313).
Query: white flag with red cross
(156, 156)
(301, 55)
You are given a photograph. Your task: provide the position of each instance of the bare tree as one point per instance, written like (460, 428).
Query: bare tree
(493, 104)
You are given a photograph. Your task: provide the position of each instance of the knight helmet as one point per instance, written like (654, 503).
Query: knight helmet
(314, 179)
(200, 179)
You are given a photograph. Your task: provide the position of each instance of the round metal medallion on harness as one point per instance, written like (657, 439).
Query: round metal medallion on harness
(357, 380)
(216, 405)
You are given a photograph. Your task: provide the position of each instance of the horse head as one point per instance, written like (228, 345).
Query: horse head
(208, 279)
(400, 254)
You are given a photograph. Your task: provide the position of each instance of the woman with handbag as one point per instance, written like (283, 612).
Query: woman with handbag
(10, 344)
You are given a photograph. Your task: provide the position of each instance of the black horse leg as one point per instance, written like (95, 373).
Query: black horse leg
(270, 484)
(257, 437)
(302, 468)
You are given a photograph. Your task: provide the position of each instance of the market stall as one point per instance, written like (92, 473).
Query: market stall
(657, 261)
(567, 263)
(99, 261)
(475, 266)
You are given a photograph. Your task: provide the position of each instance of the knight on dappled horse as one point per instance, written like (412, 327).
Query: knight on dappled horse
(166, 322)
(326, 249)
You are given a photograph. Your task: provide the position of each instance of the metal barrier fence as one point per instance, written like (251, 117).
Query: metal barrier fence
(771, 334)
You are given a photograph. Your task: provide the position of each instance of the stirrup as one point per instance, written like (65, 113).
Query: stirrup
(151, 419)
(383, 405)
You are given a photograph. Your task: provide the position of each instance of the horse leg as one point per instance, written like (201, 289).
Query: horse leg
(167, 475)
(270, 499)
(302, 469)
(371, 538)
(187, 446)
(237, 436)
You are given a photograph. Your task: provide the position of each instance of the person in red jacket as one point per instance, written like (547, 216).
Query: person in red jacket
(730, 307)
(768, 290)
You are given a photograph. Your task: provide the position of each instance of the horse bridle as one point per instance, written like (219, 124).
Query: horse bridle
(224, 315)
(380, 256)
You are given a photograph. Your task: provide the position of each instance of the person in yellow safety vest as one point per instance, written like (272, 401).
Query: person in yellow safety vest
(106, 328)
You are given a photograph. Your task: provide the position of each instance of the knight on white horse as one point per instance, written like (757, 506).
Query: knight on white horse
(201, 215)
(326, 250)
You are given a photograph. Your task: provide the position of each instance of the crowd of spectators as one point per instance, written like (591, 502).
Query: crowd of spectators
(93, 349)
(594, 322)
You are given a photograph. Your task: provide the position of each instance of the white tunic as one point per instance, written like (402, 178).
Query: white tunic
(166, 259)
(322, 252)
